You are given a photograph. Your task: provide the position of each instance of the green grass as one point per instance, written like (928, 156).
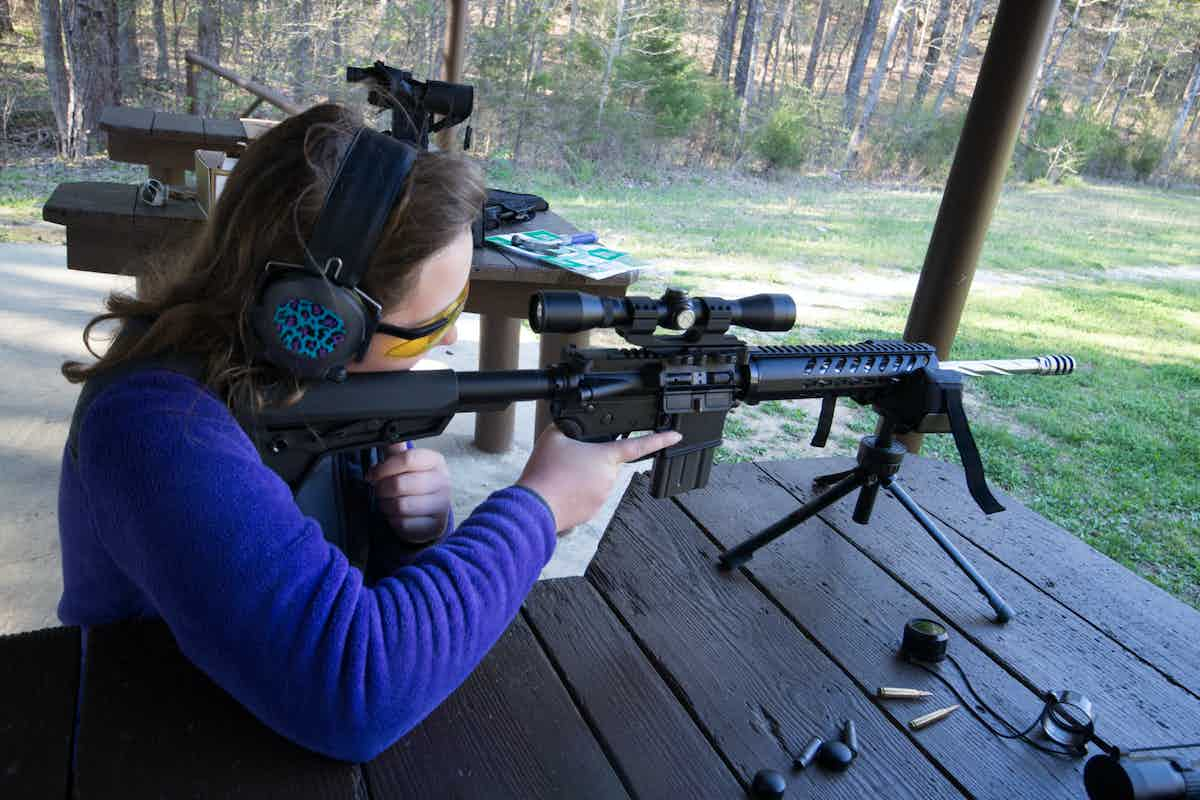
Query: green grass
(1111, 453)
(766, 228)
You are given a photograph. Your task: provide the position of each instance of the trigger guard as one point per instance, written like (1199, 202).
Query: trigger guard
(570, 428)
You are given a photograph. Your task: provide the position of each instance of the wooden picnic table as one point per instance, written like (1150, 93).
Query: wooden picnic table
(111, 229)
(658, 676)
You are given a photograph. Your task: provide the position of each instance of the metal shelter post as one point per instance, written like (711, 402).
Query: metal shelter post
(1006, 81)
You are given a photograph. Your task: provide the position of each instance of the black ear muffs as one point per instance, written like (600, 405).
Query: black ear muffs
(311, 319)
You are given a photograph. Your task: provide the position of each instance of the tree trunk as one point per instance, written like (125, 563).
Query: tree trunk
(1115, 29)
(606, 79)
(910, 36)
(970, 20)
(90, 33)
(208, 44)
(937, 41)
(6, 24)
(1048, 74)
(1181, 117)
(128, 53)
(162, 66)
(858, 64)
(783, 10)
(814, 52)
(724, 55)
(302, 52)
(56, 76)
(744, 76)
(860, 130)
(831, 72)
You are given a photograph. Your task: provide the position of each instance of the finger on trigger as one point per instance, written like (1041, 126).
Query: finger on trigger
(633, 449)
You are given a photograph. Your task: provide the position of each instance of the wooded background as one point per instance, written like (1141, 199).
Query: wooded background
(860, 86)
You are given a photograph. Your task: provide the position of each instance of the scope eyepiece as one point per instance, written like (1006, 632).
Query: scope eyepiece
(572, 312)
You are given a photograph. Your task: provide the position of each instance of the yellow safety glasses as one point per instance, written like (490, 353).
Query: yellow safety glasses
(420, 338)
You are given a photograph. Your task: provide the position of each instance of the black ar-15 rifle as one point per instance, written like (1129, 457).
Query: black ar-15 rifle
(686, 382)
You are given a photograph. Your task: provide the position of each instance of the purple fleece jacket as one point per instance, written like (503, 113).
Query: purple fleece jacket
(169, 512)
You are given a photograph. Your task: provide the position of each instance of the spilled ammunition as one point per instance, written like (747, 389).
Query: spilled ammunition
(896, 693)
(932, 717)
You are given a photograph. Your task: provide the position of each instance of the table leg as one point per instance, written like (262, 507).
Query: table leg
(551, 353)
(499, 348)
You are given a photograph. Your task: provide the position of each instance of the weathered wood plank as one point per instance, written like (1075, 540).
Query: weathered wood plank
(91, 204)
(757, 686)
(127, 120)
(39, 681)
(177, 220)
(1045, 645)
(186, 128)
(1140, 616)
(223, 134)
(152, 725)
(510, 731)
(857, 612)
(97, 250)
(647, 734)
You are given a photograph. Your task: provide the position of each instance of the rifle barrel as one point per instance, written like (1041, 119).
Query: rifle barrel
(1037, 365)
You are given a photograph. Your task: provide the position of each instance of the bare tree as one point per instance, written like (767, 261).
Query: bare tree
(90, 32)
(1181, 116)
(860, 130)
(743, 79)
(6, 24)
(783, 11)
(937, 37)
(301, 54)
(1046, 79)
(725, 39)
(1114, 29)
(161, 66)
(814, 52)
(613, 48)
(208, 44)
(57, 78)
(129, 55)
(970, 20)
(858, 64)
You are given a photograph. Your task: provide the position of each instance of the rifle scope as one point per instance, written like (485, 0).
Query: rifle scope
(572, 312)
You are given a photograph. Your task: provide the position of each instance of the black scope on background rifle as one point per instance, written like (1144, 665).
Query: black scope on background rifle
(686, 382)
(413, 103)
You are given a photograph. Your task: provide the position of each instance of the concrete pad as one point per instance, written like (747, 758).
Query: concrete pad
(43, 309)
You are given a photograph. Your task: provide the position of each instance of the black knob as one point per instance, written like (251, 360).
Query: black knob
(768, 785)
(835, 756)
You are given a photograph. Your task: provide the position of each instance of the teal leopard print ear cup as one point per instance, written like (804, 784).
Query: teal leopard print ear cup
(308, 329)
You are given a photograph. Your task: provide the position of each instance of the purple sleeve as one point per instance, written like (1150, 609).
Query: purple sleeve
(259, 601)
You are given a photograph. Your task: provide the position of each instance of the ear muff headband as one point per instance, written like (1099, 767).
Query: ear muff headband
(311, 319)
(360, 198)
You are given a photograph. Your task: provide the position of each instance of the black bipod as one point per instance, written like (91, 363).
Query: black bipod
(879, 459)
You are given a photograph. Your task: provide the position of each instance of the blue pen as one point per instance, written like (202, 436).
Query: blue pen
(581, 238)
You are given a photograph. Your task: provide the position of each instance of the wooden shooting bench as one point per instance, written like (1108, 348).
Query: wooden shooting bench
(110, 229)
(656, 675)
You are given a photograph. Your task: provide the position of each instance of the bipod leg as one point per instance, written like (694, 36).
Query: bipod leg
(740, 554)
(822, 481)
(1003, 610)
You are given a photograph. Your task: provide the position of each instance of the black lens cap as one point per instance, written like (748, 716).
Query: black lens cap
(925, 640)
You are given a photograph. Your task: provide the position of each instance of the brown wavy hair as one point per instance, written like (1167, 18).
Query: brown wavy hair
(267, 210)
